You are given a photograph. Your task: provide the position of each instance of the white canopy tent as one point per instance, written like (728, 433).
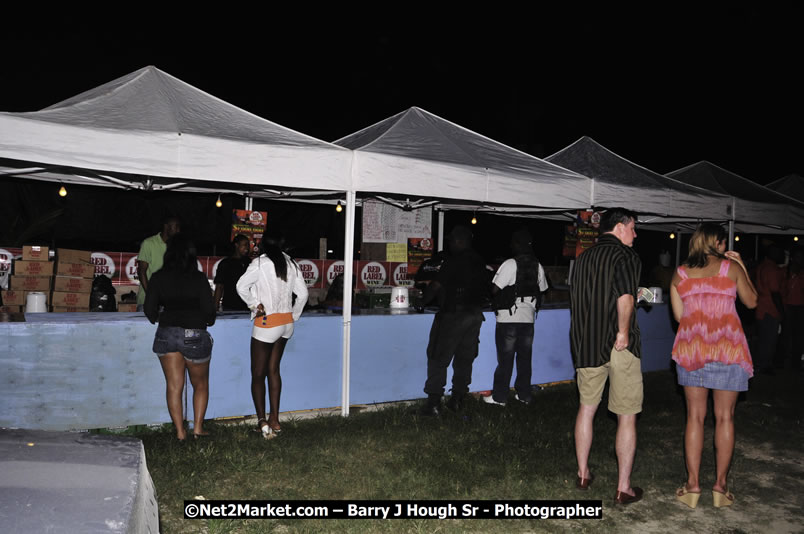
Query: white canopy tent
(791, 185)
(620, 182)
(418, 154)
(150, 130)
(756, 209)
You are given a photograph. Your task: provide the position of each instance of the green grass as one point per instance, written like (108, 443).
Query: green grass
(486, 452)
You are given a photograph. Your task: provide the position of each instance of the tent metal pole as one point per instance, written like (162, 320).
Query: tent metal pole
(678, 249)
(731, 222)
(440, 230)
(756, 247)
(348, 268)
(731, 234)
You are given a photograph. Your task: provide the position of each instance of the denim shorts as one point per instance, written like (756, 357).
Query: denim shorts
(194, 344)
(714, 375)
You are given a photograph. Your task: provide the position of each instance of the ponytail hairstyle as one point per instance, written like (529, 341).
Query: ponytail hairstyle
(703, 243)
(272, 247)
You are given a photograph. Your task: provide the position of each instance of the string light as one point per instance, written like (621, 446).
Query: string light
(795, 238)
(736, 238)
(63, 192)
(338, 207)
(218, 202)
(474, 218)
(672, 235)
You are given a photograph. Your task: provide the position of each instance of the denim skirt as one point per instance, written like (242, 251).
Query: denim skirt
(714, 375)
(195, 344)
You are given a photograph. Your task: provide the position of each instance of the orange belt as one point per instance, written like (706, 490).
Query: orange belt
(275, 319)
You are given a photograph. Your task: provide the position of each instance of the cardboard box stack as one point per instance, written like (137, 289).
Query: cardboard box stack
(126, 301)
(13, 301)
(72, 284)
(32, 273)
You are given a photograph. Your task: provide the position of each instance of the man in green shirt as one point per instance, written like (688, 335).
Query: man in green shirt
(152, 253)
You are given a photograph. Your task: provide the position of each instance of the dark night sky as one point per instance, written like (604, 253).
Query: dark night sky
(663, 89)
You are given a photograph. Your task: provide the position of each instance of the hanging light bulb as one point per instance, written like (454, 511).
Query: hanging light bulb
(63, 192)
(736, 238)
(474, 219)
(338, 207)
(672, 235)
(218, 202)
(795, 238)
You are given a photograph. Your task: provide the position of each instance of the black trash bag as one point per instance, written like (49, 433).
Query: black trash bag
(102, 298)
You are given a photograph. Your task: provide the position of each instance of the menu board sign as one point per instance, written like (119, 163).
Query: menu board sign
(384, 223)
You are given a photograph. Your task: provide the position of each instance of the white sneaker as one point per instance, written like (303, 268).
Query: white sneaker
(520, 399)
(489, 399)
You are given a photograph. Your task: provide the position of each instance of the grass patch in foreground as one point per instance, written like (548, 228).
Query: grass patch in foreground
(486, 452)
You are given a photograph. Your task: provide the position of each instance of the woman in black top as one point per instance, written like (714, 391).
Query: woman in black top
(180, 298)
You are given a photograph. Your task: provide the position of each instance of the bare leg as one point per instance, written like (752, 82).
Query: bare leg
(625, 445)
(259, 371)
(584, 432)
(694, 434)
(275, 381)
(724, 434)
(173, 367)
(199, 378)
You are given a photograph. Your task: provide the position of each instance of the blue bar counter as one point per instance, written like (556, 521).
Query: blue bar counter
(65, 371)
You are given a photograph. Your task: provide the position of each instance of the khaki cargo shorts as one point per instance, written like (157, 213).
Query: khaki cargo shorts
(624, 371)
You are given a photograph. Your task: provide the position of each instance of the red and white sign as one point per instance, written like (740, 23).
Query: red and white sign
(121, 267)
(5, 266)
(131, 271)
(334, 269)
(373, 274)
(104, 264)
(310, 272)
(401, 278)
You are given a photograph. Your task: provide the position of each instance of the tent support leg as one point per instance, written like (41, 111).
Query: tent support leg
(440, 230)
(348, 268)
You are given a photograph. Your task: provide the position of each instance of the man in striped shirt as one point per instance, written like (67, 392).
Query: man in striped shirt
(604, 336)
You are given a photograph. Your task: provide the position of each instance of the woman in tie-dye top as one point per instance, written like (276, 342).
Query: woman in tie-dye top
(710, 350)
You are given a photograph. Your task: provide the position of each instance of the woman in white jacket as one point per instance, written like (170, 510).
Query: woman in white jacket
(268, 288)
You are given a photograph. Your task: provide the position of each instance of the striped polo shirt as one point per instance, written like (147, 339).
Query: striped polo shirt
(601, 275)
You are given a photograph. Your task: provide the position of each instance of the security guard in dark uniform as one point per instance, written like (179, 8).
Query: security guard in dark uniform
(461, 289)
